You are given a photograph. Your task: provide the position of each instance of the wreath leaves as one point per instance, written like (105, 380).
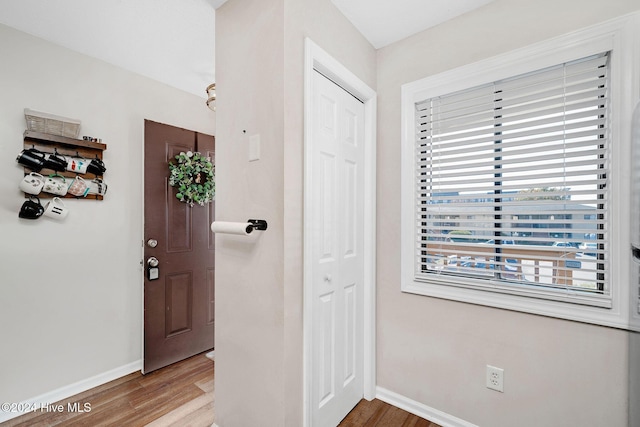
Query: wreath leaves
(194, 177)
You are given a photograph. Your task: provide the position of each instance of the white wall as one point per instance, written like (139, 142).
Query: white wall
(259, 73)
(557, 373)
(71, 292)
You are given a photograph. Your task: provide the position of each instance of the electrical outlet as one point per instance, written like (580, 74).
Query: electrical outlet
(495, 378)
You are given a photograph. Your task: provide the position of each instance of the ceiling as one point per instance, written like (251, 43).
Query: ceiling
(173, 41)
(384, 22)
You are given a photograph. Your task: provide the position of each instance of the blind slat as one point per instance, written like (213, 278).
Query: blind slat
(518, 130)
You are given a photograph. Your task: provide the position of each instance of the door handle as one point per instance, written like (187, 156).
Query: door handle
(327, 277)
(153, 272)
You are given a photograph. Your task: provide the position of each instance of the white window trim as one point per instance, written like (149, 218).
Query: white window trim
(621, 36)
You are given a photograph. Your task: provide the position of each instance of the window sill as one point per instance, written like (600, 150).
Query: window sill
(516, 302)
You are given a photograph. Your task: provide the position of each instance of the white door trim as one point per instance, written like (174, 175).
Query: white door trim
(318, 59)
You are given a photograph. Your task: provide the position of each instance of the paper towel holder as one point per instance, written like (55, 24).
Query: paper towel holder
(241, 228)
(257, 224)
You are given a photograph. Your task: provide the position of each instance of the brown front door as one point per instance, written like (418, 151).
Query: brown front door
(179, 304)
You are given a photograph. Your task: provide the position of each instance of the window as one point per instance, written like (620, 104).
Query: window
(510, 169)
(506, 174)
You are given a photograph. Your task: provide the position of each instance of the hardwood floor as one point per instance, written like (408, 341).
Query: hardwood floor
(180, 395)
(380, 414)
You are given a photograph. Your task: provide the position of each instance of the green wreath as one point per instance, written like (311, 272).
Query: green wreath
(194, 177)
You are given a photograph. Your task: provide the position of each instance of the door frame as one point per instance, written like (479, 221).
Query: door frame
(316, 59)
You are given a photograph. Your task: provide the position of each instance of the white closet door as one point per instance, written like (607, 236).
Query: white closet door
(337, 252)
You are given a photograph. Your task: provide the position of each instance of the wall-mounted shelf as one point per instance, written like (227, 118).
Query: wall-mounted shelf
(50, 140)
(68, 147)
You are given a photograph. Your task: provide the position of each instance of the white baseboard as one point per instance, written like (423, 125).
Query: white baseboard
(73, 389)
(421, 410)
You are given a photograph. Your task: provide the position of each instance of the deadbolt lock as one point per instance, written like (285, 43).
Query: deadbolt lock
(153, 272)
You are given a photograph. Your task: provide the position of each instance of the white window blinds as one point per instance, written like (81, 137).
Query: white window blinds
(511, 182)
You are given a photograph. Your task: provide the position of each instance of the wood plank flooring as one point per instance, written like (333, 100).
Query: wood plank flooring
(380, 414)
(180, 395)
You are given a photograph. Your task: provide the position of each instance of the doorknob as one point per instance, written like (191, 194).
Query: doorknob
(152, 243)
(153, 272)
(327, 277)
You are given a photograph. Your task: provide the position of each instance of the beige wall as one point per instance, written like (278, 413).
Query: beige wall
(249, 271)
(634, 379)
(260, 64)
(557, 373)
(328, 28)
(71, 304)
